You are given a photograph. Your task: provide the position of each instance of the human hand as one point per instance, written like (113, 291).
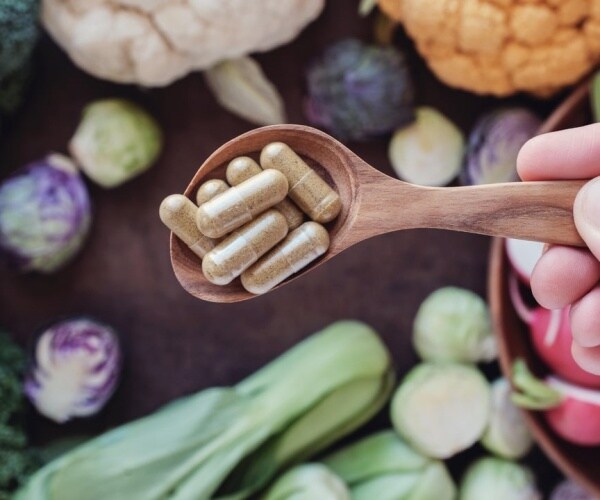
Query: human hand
(567, 275)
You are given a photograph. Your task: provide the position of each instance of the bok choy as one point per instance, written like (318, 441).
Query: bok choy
(229, 442)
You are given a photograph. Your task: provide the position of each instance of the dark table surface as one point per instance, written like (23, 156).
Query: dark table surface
(175, 344)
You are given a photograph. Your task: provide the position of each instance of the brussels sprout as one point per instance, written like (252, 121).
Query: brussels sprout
(453, 324)
(494, 144)
(357, 91)
(497, 479)
(507, 435)
(76, 369)
(429, 151)
(308, 482)
(115, 141)
(569, 490)
(441, 408)
(45, 214)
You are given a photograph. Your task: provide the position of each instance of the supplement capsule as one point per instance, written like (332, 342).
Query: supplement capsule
(244, 247)
(240, 204)
(209, 190)
(310, 192)
(179, 215)
(242, 168)
(299, 249)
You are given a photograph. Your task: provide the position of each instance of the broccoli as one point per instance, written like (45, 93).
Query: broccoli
(17, 460)
(18, 36)
(18, 33)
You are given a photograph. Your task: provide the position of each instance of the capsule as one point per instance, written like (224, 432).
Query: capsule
(244, 247)
(179, 214)
(240, 204)
(310, 192)
(244, 167)
(300, 248)
(209, 190)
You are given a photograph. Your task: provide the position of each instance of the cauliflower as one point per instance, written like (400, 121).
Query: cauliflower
(154, 42)
(503, 46)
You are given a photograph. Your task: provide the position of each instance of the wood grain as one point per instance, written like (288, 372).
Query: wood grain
(581, 463)
(374, 204)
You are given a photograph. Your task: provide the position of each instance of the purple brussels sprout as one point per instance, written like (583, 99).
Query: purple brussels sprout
(45, 214)
(357, 91)
(76, 368)
(494, 144)
(569, 490)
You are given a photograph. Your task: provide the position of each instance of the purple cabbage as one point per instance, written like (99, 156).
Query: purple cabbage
(45, 214)
(76, 369)
(494, 144)
(357, 91)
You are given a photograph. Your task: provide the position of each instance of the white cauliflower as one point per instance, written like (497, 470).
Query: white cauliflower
(154, 42)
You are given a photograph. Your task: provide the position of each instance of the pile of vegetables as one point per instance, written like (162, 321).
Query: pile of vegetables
(45, 207)
(229, 442)
(17, 459)
(570, 396)
(442, 407)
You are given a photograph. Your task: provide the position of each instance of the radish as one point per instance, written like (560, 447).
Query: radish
(551, 337)
(572, 412)
(523, 256)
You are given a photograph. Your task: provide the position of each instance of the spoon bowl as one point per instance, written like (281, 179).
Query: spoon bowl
(374, 203)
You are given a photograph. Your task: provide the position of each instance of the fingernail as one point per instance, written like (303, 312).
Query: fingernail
(589, 203)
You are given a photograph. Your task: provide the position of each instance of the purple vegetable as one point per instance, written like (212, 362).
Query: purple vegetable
(357, 91)
(45, 214)
(76, 369)
(494, 144)
(568, 490)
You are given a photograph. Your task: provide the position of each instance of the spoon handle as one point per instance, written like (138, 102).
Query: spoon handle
(539, 211)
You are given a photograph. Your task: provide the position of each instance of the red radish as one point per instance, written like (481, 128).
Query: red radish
(552, 338)
(523, 256)
(571, 411)
(577, 417)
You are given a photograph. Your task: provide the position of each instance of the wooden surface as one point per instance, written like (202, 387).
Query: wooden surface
(174, 343)
(579, 462)
(541, 211)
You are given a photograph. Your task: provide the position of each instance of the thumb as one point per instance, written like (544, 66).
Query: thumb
(586, 212)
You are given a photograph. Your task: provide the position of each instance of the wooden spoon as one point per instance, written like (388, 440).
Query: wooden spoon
(374, 204)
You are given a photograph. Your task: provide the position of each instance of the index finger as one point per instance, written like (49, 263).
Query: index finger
(567, 154)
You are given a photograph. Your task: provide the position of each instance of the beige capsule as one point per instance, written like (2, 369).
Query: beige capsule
(310, 192)
(240, 204)
(300, 248)
(209, 190)
(242, 168)
(244, 247)
(178, 213)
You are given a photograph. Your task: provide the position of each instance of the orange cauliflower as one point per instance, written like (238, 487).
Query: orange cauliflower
(503, 46)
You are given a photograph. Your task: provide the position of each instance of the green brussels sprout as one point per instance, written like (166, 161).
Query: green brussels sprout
(308, 482)
(441, 408)
(115, 141)
(507, 434)
(453, 324)
(498, 479)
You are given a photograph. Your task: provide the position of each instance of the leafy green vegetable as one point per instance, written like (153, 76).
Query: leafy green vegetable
(229, 442)
(384, 467)
(18, 36)
(17, 462)
(308, 482)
